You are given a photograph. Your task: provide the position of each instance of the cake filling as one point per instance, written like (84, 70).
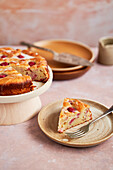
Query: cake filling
(2, 75)
(4, 64)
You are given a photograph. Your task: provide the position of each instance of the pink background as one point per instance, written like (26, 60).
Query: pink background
(33, 20)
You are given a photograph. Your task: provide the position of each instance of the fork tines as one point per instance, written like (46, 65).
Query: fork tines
(76, 134)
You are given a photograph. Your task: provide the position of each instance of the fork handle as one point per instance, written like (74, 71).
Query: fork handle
(35, 46)
(103, 115)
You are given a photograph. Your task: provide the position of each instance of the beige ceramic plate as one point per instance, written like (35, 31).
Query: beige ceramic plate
(72, 47)
(99, 131)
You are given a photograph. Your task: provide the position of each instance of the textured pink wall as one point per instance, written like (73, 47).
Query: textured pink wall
(33, 20)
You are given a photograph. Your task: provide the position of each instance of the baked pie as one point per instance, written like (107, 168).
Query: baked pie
(18, 68)
(74, 112)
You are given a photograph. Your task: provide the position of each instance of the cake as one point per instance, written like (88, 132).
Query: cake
(18, 68)
(73, 113)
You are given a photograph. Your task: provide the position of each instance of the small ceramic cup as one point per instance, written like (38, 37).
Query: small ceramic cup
(105, 55)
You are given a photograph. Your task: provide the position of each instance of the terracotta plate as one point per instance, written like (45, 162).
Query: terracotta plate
(98, 133)
(66, 75)
(59, 46)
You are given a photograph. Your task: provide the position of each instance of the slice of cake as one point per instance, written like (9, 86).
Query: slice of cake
(12, 82)
(32, 64)
(74, 112)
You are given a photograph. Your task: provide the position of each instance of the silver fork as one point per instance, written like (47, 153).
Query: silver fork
(84, 129)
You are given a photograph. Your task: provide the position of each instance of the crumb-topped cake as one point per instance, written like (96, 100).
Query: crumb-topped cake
(18, 68)
(74, 112)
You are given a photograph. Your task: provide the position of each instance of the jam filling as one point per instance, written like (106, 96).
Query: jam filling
(31, 63)
(20, 56)
(3, 56)
(2, 75)
(4, 64)
(71, 109)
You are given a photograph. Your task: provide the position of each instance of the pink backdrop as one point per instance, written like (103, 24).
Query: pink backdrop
(33, 20)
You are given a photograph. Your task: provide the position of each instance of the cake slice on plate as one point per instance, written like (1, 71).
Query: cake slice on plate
(74, 112)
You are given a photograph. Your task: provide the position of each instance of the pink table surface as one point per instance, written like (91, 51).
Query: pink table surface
(25, 146)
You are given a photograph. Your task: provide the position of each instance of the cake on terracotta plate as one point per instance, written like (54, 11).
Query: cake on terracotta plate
(73, 113)
(18, 68)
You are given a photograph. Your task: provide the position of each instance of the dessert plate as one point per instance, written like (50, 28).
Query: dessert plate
(67, 46)
(38, 90)
(99, 132)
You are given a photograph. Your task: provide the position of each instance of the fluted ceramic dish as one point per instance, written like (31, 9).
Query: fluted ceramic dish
(99, 132)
